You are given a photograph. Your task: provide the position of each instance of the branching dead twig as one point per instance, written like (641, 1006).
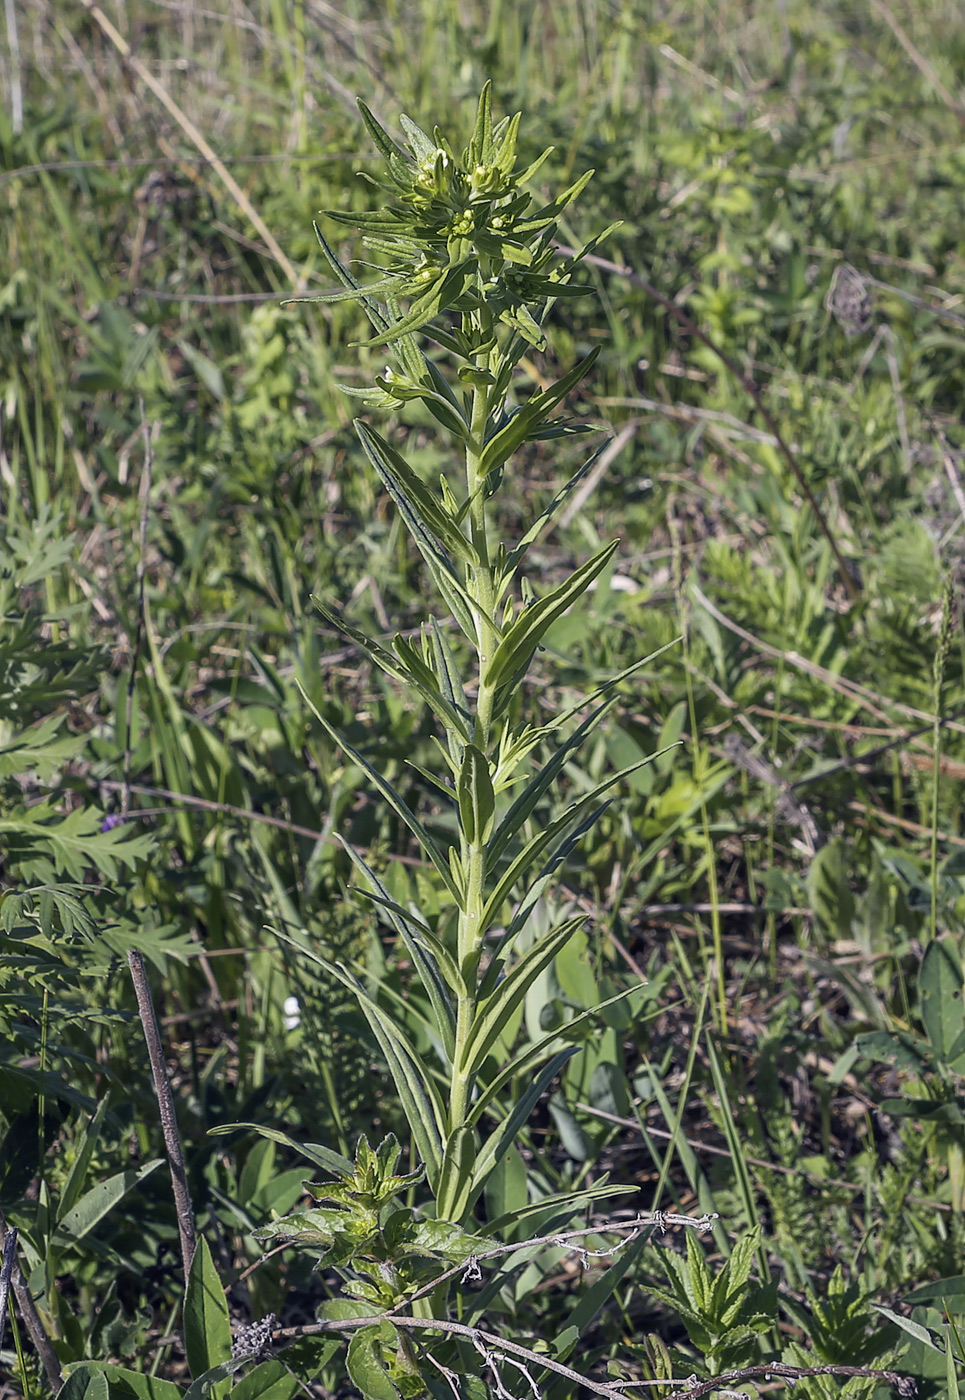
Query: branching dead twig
(494, 1348)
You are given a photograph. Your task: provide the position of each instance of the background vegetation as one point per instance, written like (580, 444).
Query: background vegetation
(179, 475)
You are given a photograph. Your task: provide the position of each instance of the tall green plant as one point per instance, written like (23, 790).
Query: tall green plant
(471, 253)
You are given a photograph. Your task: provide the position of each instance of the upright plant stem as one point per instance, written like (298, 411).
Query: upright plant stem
(165, 1102)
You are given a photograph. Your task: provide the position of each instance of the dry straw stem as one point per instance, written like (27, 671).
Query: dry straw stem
(28, 1311)
(193, 134)
(165, 1101)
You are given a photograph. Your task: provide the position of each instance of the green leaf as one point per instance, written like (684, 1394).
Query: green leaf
(394, 799)
(407, 487)
(420, 678)
(416, 936)
(513, 655)
(424, 1110)
(477, 801)
(40, 750)
(207, 1328)
(365, 1367)
(550, 835)
(513, 434)
(464, 609)
(268, 1381)
(499, 1142)
(99, 1201)
(456, 1177)
(85, 1383)
(323, 1157)
(940, 989)
(123, 1383)
(494, 1011)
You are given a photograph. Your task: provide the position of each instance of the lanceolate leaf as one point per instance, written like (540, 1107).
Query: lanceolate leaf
(402, 480)
(534, 848)
(513, 434)
(207, 1329)
(477, 801)
(532, 1055)
(500, 1141)
(99, 1201)
(395, 801)
(493, 1012)
(431, 687)
(514, 653)
(456, 1178)
(420, 678)
(464, 609)
(424, 1111)
(413, 935)
(323, 1157)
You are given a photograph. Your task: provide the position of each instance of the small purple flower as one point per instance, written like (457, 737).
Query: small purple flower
(112, 820)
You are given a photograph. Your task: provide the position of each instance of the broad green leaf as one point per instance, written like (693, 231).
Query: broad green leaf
(322, 1157)
(207, 1328)
(940, 989)
(123, 1383)
(365, 1367)
(899, 1048)
(85, 1383)
(268, 1381)
(494, 1011)
(216, 1382)
(395, 801)
(515, 651)
(99, 1201)
(477, 801)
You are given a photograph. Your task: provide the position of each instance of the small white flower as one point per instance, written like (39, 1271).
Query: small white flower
(292, 1014)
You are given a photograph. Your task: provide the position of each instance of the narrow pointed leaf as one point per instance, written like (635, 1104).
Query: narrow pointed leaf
(532, 1055)
(500, 1141)
(400, 479)
(414, 936)
(515, 652)
(323, 1157)
(514, 433)
(99, 1201)
(420, 1101)
(395, 801)
(207, 1327)
(539, 843)
(463, 608)
(477, 801)
(456, 1177)
(423, 681)
(494, 1012)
